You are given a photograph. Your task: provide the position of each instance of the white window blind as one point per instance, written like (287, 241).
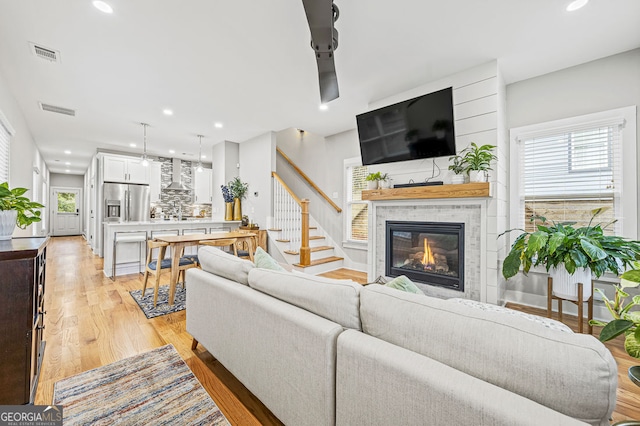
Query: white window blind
(6, 131)
(357, 226)
(568, 172)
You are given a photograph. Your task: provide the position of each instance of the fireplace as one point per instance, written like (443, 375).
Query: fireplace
(427, 252)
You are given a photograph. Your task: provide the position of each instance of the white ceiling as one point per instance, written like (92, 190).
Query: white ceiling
(248, 64)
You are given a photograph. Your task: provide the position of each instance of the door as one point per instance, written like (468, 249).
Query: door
(155, 181)
(202, 186)
(137, 172)
(65, 211)
(138, 203)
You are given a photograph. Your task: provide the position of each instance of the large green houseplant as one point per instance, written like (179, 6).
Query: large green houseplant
(561, 245)
(477, 160)
(16, 210)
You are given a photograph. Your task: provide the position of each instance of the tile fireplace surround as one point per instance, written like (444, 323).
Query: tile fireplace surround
(472, 213)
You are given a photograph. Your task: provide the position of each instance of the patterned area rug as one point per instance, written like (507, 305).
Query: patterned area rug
(155, 387)
(163, 308)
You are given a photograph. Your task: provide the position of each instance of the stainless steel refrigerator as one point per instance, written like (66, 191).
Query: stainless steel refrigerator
(125, 202)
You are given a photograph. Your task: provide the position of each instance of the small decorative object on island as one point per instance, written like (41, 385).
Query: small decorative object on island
(477, 160)
(239, 191)
(563, 249)
(458, 167)
(228, 202)
(16, 210)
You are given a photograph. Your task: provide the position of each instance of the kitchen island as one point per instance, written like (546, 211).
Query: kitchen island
(131, 255)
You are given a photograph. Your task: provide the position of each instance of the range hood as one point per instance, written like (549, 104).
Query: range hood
(176, 176)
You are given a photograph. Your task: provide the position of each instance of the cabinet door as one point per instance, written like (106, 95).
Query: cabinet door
(202, 187)
(155, 180)
(137, 172)
(114, 169)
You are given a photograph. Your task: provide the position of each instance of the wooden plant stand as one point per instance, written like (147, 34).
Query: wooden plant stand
(579, 302)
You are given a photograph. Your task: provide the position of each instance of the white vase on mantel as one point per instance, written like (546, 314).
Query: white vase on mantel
(7, 223)
(456, 179)
(478, 176)
(372, 184)
(565, 286)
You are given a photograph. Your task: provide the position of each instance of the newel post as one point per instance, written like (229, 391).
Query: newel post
(305, 250)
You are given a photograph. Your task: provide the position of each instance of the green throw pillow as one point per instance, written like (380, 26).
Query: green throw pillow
(264, 261)
(404, 284)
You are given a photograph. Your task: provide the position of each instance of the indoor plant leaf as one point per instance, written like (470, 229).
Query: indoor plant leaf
(556, 239)
(511, 264)
(593, 251)
(632, 345)
(631, 277)
(614, 329)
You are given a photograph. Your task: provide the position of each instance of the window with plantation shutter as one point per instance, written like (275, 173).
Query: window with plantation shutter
(357, 219)
(564, 170)
(6, 131)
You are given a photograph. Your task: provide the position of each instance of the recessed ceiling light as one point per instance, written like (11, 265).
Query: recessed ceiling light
(67, 170)
(172, 151)
(102, 6)
(132, 145)
(66, 151)
(203, 156)
(323, 107)
(167, 111)
(576, 4)
(218, 125)
(67, 163)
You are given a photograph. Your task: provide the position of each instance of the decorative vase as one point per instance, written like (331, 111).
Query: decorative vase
(228, 211)
(385, 184)
(478, 176)
(372, 184)
(457, 179)
(237, 209)
(7, 223)
(566, 286)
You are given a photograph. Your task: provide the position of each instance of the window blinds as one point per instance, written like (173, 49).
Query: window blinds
(565, 173)
(6, 131)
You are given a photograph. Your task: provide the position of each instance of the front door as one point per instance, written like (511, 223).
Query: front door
(66, 211)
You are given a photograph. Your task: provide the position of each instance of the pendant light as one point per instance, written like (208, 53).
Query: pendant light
(145, 161)
(199, 168)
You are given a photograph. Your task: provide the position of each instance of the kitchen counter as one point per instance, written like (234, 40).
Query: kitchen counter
(128, 254)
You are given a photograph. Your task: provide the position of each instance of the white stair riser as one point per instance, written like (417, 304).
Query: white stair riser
(315, 255)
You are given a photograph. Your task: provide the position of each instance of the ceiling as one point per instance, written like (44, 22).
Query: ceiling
(248, 64)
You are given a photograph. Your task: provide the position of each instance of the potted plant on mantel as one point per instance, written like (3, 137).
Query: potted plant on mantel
(571, 255)
(458, 167)
(478, 161)
(16, 210)
(373, 180)
(239, 191)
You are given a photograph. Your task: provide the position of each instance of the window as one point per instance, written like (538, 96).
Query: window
(6, 131)
(357, 219)
(565, 169)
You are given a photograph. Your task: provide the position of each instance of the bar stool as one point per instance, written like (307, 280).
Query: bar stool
(139, 237)
(225, 242)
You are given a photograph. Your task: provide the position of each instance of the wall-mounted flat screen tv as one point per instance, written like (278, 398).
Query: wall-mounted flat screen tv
(421, 127)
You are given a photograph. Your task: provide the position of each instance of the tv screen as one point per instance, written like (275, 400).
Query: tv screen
(421, 127)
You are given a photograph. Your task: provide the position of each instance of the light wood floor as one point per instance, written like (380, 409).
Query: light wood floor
(92, 321)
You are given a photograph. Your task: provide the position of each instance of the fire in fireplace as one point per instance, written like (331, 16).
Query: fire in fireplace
(428, 252)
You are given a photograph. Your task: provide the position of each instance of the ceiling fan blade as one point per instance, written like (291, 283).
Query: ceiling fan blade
(324, 40)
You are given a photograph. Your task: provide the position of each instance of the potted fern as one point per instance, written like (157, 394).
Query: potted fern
(571, 255)
(16, 210)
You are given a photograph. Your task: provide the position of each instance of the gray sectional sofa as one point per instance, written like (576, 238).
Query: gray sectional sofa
(331, 352)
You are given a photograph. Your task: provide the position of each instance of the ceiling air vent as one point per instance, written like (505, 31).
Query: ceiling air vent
(45, 53)
(57, 109)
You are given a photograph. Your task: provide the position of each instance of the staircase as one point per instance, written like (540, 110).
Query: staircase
(313, 253)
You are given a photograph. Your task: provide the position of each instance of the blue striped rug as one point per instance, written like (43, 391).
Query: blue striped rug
(155, 387)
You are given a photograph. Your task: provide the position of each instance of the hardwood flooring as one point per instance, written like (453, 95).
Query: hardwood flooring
(92, 321)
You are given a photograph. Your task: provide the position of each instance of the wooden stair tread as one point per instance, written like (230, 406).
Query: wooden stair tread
(316, 237)
(320, 261)
(283, 241)
(274, 229)
(313, 249)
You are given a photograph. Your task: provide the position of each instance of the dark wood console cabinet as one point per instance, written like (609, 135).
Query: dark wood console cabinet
(22, 288)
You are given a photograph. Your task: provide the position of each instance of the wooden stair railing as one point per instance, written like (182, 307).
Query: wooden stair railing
(309, 181)
(305, 250)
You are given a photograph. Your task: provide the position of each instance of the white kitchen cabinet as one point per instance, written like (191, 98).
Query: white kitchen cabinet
(202, 186)
(155, 181)
(124, 169)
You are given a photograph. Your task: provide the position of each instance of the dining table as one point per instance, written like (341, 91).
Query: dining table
(177, 243)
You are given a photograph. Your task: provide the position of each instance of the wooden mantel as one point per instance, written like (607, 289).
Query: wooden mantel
(462, 190)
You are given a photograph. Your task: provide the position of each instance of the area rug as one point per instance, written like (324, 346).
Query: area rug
(155, 387)
(146, 302)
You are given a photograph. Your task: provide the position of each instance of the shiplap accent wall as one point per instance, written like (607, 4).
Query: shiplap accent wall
(479, 114)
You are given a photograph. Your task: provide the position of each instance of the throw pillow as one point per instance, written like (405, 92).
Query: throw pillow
(404, 284)
(262, 260)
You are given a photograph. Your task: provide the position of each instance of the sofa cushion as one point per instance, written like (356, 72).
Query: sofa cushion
(216, 261)
(572, 373)
(403, 283)
(335, 300)
(262, 260)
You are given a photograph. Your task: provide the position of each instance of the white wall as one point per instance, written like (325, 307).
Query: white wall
(601, 85)
(24, 157)
(257, 161)
(66, 181)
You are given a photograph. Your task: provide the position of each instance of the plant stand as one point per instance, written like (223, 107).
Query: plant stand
(579, 302)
